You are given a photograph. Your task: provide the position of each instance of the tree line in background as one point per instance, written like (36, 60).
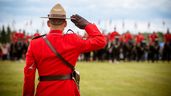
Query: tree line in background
(5, 33)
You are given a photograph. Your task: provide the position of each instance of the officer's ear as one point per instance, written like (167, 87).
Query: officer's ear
(65, 23)
(48, 23)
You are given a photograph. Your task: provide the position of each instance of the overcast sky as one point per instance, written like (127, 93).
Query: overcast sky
(105, 13)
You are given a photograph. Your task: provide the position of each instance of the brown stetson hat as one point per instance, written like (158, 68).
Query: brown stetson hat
(57, 12)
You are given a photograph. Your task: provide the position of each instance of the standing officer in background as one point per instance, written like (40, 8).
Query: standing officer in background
(39, 56)
(167, 46)
(139, 46)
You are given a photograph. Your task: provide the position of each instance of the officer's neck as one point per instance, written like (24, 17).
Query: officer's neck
(57, 28)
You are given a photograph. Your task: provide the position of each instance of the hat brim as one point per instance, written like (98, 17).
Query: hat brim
(56, 17)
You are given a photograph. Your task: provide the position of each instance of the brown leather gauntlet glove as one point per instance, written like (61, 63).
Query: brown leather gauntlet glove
(79, 21)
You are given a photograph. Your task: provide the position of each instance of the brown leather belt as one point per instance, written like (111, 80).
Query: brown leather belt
(54, 78)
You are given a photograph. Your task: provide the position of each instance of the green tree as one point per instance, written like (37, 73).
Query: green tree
(8, 34)
(3, 35)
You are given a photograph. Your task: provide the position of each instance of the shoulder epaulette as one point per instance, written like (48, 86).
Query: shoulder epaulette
(38, 36)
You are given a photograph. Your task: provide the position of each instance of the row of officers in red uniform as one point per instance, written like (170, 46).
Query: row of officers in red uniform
(126, 37)
(137, 47)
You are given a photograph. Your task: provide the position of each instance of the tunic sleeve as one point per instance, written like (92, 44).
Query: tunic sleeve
(29, 73)
(95, 40)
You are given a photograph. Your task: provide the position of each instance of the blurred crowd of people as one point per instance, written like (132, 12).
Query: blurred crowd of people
(126, 46)
(131, 47)
(17, 48)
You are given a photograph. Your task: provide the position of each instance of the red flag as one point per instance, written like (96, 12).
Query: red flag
(135, 25)
(110, 21)
(26, 24)
(149, 24)
(30, 22)
(13, 24)
(123, 24)
(115, 28)
(163, 23)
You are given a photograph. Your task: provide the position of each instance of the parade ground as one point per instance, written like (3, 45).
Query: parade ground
(101, 78)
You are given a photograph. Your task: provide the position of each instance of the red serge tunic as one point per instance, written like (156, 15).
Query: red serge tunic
(40, 57)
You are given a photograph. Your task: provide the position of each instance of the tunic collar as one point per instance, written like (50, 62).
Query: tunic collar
(57, 32)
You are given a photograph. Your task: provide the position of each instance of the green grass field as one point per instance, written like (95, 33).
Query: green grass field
(101, 78)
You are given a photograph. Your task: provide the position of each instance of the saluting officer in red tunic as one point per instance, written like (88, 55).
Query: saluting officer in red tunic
(70, 46)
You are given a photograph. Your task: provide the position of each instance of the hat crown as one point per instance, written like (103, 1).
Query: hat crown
(58, 9)
(57, 12)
